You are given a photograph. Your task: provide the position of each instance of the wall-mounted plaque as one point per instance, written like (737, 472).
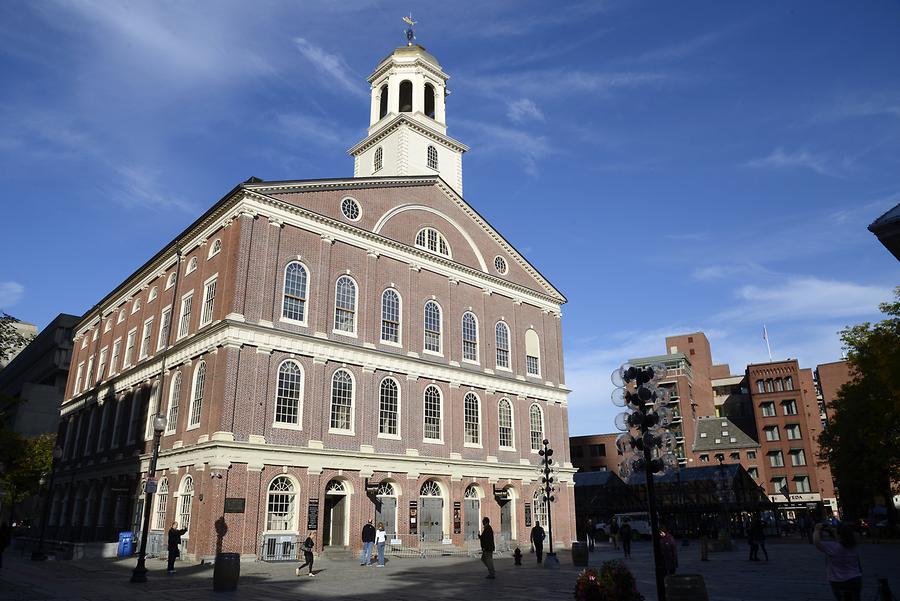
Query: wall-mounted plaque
(527, 515)
(235, 505)
(457, 517)
(312, 516)
(413, 517)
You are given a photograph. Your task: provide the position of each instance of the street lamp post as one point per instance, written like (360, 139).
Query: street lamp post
(723, 489)
(651, 446)
(547, 480)
(39, 555)
(139, 574)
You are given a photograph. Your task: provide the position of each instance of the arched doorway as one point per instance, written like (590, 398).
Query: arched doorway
(506, 498)
(431, 511)
(386, 508)
(471, 512)
(335, 529)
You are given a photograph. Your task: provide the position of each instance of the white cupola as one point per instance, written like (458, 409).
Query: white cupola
(407, 123)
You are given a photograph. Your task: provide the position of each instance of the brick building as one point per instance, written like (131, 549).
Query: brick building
(325, 352)
(594, 453)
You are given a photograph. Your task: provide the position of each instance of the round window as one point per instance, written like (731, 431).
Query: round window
(350, 209)
(500, 265)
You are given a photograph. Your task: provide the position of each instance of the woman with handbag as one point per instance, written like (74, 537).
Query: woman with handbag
(308, 546)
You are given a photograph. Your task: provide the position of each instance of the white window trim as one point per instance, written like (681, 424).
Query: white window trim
(441, 236)
(178, 334)
(154, 293)
(398, 435)
(282, 425)
(473, 445)
(356, 311)
(172, 426)
(107, 326)
(509, 340)
(144, 352)
(213, 251)
(191, 265)
(160, 343)
(206, 284)
(126, 360)
(190, 411)
(512, 421)
(543, 426)
(440, 440)
(79, 379)
(305, 322)
(120, 318)
(101, 366)
(136, 306)
(358, 209)
(399, 343)
(425, 350)
(462, 341)
(294, 527)
(114, 358)
(341, 431)
(84, 341)
(170, 279)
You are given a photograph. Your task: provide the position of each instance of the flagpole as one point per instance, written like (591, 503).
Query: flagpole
(766, 338)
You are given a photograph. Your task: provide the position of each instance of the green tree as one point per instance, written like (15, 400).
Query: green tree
(26, 462)
(11, 339)
(862, 439)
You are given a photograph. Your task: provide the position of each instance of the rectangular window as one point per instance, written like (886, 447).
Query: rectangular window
(789, 407)
(789, 383)
(532, 365)
(778, 485)
(751, 454)
(129, 347)
(145, 339)
(117, 350)
(754, 472)
(793, 431)
(598, 450)
(771, 433)
(184, 323)
(78, 375)
(577, 452)
(164, 328)
(798, 457)
(768, 409)
(801, 483)
(209, 298)
(88, 381)
(102, 366)
(776, 458)
(735, 456)
(704, 458)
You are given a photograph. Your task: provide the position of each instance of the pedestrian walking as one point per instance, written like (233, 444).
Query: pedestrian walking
(537, 539)
(589, 534)
(669, 549)
(5, 538)
(380, 537)
(487, 546)
(368, 541)
(707, 533)
(174, 546)
(308, 547)
(842, 566)
(758, 532)
(614, 533)
(625, 536)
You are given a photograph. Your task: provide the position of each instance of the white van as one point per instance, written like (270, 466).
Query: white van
(639, 521)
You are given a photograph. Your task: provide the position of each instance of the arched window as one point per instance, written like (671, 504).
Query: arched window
(432, 240)
(505, 421)
(502, 336)
(345, 305)
(379, 159)
(406, 96)
(789, 383)
(540, 507)
(433, 401)
(290, 389)
(214, 248)
(342, 401)
(170, 281)
(191, 266)
(432, 327)
(390, 316)
(532, 353)
(108, 326)
(760, 386)
(386, 489)
(280, 505)
(432, 157)
(197, 396)
(472, 418)
(383, 102)
(471, 492)
(430, 489)
(162, 501)
(469, 337)
(388, 407)
(429, 100)
(154, 292)
(295, 290)
(184, 503)
(537, 427)
(120, 319)
(174, 402)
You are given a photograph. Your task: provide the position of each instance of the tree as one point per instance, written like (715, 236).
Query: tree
(11, 339)
(27, 461)
(861, 441)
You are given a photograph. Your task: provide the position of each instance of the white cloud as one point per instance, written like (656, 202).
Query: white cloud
(10, 293)
(779, 159)
(330, 65)
(512, 142)
(523, 110)
(805, 298)
(306, 128)
(136, 186)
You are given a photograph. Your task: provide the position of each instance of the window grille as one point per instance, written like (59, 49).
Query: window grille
(470, 337)
(379, 159)
(174, 402)
(472, 419)
(506, 423)
(430, 489)
(432, 413)
(162, 500)
(209, 299)
(432, 327)
(471, 492)
(341, 400)
(186, 305)
(537, 427)
(432, 240)
(184, 505)
(197, 400)
(390, 316)
(294, 305)
(432, 157)
(388, 406)
(280, 505)
(345, 305)
(287, 399)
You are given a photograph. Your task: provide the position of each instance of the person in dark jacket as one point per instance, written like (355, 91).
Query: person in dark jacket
(368, 541)
(669, 549)
(487, 546)
(614, 533)
(174, 546)
(589, 533)
(308, 547)
(537, 539)
(758, 538)
(625, 537)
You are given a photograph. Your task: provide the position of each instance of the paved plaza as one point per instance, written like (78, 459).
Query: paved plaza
(794, 571)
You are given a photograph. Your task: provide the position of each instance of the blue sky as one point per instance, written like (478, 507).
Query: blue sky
(669, 166)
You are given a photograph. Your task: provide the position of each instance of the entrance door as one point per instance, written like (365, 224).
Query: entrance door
(386, 512)
(431, 518)
(506, 520)
(334, 531)
(472, 511)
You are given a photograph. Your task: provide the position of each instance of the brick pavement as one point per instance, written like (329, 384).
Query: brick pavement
(795, 571)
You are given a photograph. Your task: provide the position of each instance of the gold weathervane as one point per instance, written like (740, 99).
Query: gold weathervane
(410, 34)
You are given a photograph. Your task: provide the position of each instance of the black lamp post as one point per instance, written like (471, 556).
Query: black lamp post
(139, 574)
(723, 490)
(652, 443)
(547, 480)
(39, 555)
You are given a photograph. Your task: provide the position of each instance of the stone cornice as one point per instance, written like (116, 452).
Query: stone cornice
(389, 62)
(398, 121)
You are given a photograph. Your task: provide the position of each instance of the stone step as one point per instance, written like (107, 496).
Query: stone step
(338, 553)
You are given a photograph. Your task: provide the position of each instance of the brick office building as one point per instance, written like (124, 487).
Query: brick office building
(325, 351)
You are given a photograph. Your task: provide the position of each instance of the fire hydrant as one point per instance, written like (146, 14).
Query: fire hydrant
(517, 555)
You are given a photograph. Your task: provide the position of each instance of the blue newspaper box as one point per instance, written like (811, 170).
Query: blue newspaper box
(126, 546)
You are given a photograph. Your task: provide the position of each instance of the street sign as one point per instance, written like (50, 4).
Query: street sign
(150, 485)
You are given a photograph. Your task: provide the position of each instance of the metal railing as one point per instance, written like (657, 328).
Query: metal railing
(279, 548)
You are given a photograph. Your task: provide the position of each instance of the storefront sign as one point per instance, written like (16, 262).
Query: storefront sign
(413, 517)
(527, 515)
(312, 516)
(457, 517)
(235, 505)
(797, 497)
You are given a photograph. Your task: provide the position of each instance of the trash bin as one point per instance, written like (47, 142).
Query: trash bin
(579, 554)
(227, 571)
(126, 545)
(686, 587)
